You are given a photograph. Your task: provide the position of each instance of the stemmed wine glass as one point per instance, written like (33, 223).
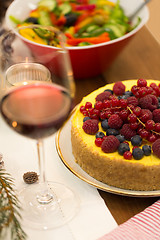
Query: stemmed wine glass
(37, 109)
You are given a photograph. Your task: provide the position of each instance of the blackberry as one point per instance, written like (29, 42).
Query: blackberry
(104, 124)
(147, 150)
(86, 118)
(123, 147)
(120, 137)
(100, 135)
(112, 131)
(136, 140)
(137, 153)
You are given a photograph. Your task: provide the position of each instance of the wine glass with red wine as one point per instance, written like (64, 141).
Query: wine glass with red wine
(37, 109)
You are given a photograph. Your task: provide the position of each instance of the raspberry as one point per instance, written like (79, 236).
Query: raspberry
(127, 132)
(156, 148)
(90, 126)
(115, 121)
(156, 115)
(148, 102)
(103, 96)
(133, 100)
(110, 144)
(119, 88)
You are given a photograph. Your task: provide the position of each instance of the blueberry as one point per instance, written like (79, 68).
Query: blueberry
(128, 93)
(121, 138)
(138, 153)
(86, 118)
(112, 131)
(147, 150)
(104, 125)
(136, 140)
(123, 97)
(100, 135)
(109, 90)
(123, 147)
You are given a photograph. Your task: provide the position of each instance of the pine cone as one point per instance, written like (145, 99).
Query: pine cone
(30, 177)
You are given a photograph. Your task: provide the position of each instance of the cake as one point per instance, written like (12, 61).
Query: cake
(133, 170)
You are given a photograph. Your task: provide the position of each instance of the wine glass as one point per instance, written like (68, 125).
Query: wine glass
(37, 110)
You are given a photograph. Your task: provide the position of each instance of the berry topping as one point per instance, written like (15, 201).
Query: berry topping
(146, 115)
(90, 126)
(99, 105)
(132, 118)
(132, 100)
(136, 140)
(147, 150)
(148, 102)
(110, 144)
(141, 82)
(98, 142)
(156, 148)
(156, 115)
(120, 137)
(112, 131)
(127, 155)
(119, 88)
(88, 105)
(123, 147)
(103, 96)
(115, 121)
(137, 153)
(150, 125)
(104, 124)
(100, 135)
(86, 118)
(125, 116)
(127, 132)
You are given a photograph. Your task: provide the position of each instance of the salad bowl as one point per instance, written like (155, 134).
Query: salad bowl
(87, 60)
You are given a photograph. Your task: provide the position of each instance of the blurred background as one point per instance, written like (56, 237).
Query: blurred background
(153, 23)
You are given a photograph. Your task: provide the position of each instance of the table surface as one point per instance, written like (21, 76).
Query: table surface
(140, 59)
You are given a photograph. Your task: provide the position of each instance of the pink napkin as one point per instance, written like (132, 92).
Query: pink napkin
(143, 226)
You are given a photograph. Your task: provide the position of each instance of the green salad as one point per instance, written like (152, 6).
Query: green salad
(84, 22)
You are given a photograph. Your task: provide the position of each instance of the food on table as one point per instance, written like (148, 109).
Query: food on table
(115, 134)
(84, 22)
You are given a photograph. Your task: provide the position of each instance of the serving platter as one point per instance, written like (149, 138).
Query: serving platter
(64, 149)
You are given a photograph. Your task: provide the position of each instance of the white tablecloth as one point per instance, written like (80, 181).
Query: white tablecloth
(93, 219)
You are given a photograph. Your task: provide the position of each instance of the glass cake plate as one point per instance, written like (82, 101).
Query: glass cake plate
(64, 149)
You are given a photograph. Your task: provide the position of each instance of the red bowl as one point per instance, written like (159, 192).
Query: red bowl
(91, 62)
(87, 61)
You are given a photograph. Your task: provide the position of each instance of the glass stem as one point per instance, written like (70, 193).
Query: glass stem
(44, 196)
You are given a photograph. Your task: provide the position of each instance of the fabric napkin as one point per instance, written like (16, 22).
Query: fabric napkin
(93, 219)
(143, 226)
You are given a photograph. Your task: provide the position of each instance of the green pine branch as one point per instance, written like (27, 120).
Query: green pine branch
(9, 208)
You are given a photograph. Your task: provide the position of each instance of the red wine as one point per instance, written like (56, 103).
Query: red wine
(36, 110)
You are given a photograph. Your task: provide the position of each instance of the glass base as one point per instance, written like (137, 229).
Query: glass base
(60, 209)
